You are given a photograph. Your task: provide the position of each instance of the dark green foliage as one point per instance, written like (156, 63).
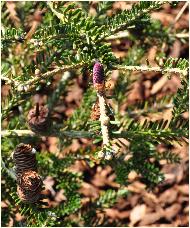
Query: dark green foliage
(69, 35)
(122, 170)
(132, 17)
(181, 99)
(181, 64)
(160, 33)
(168, 156)
(108, 198)
(142, 152)
(81, 115)
(49, 163)
(102, 8)
(70, 191)
(158, 131)
(11, 36)
(34, 214)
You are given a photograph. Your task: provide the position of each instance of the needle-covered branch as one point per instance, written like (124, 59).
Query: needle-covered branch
(127, 18)
(151, 69)
(168, 134)
(56, 133)
(30, 85)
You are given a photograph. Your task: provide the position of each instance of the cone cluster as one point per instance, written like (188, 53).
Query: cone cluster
(29, 182)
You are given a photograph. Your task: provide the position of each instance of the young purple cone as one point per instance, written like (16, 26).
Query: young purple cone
(98, 76)
(98, 73)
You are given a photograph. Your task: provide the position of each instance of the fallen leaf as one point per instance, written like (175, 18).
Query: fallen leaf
(184, 189)
(168, 196)
(137, 214)
(150, 218)
(172, 211)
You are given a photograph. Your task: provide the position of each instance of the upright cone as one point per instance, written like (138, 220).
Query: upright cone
(24, 158)
(29, 182)
(39, 119)
(29, 186)
(98, 76)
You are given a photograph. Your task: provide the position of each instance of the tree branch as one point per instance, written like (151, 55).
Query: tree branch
(56, 133)
(104, 119)
(182, 35)
(152, 134)
(149, 69)
(129, 21)
(29, 85)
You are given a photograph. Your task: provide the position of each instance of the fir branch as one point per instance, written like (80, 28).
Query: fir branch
(108, 198)
(169, 156)
(28, 86)
(11, 35)
(128, 17)
(167, 135)
(149, 69)
(155, 109)
(181, 100)
(152, 134)
(119, 35)
(56, 133)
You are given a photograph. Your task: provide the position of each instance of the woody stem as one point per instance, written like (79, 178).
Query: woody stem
(104, 119)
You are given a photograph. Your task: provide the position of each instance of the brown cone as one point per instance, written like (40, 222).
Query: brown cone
(39, 119)
(95, 113)
(24, 158)
(29, 186)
